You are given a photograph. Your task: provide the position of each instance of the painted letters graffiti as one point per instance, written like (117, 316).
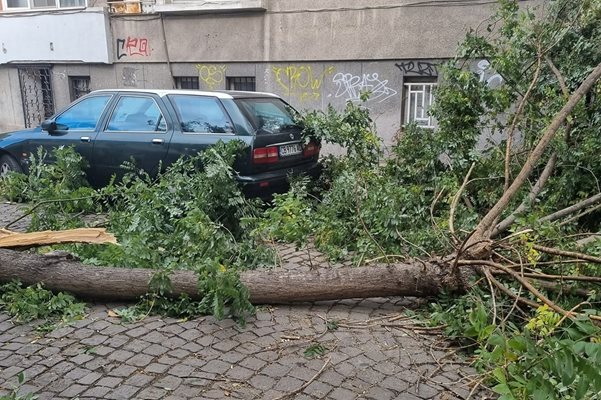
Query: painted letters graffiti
(488, 75)
(351, 86)
(421, 68)
(211, 75)
(132, 47)
(300, 81)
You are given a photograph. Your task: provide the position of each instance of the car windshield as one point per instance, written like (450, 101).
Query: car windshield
(267, 115)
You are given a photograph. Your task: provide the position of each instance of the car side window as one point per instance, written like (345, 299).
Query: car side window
(200, 114)
(137, 114)
(84, 115)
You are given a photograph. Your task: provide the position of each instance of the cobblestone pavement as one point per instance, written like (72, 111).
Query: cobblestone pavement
(369, 356)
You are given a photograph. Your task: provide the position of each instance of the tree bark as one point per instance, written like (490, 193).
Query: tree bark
(265, 286)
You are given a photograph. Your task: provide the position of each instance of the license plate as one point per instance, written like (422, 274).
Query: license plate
(290, 150)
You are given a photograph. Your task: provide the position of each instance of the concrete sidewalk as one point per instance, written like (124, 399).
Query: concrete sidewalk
(374, 353)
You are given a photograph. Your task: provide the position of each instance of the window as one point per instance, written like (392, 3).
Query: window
(137, 114)
(270, 115)
(38, 4)
(246, 83)
(83, 115)
(36, 94)
(418, 100)
(78, 86)
(199, 114)
(187, 82)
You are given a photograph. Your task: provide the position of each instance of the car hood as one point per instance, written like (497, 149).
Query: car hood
(17, 135)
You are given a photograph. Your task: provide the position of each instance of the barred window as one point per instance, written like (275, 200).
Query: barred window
(245, 83)
(79, 86)
(187, 82)
(419, 97)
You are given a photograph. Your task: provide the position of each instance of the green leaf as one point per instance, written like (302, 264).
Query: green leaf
(499, 374)
(503, 389)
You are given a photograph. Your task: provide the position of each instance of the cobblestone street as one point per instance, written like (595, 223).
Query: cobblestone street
(374, 353)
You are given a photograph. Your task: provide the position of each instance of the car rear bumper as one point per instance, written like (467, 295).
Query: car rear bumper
(267, 183)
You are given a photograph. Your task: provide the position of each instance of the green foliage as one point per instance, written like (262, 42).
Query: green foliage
(352, 129)
(14, 394)
(56, 186)
(315, 350)
(369, 206)
(538, 361)
(25, 304)
(290, 218)
(332, 325)
(190, 217)
(564, 365)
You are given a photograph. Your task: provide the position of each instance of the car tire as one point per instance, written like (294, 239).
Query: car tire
(8, 164)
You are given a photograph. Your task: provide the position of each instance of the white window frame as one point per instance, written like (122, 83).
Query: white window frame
(411, 108)
(30, 7)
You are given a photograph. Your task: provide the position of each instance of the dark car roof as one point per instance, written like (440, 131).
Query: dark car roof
(239, 94)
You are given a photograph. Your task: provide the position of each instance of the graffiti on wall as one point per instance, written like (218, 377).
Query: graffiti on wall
(132, 46)
(488, 75)
(421, 68)
(352, 86)
(211, 75)
(301, 81)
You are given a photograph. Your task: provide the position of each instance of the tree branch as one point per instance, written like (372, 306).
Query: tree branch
(516, 117)
(456, 200)
(534, 192)
(564, 253)
(484, 227)
(523, 281)
(571, 209)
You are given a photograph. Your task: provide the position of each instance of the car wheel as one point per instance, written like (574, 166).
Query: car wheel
(8, 164)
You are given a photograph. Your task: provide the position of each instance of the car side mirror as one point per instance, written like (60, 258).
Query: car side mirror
(49, 126)
(53, 128)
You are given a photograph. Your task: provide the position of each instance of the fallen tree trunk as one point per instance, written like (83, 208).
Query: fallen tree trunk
(265, 286)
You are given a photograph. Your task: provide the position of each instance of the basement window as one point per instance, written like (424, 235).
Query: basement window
(245, 83)
(187, 82)
(78, 86)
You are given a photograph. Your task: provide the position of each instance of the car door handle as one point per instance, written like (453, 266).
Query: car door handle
(85, 139)
(157, 141)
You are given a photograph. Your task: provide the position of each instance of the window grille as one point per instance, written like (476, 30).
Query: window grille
(36, 94)
(418, 100)
(187, 82)
(245, 83)
(79, 86)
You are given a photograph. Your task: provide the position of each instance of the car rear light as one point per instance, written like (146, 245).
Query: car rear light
(311, 149)
(265, 155)
(263, 184)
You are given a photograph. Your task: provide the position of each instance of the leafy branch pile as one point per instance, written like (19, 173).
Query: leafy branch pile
(507, 186)
(505, 191)
(193, 216)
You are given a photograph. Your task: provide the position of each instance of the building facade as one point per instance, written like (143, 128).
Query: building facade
(311, 53)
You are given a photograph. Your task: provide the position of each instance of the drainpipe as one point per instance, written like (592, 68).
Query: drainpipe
(167, 51)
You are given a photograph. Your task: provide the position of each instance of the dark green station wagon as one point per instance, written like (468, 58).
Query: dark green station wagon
(109, 127)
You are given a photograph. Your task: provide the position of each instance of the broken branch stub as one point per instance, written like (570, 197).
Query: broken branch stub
(10, 239)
